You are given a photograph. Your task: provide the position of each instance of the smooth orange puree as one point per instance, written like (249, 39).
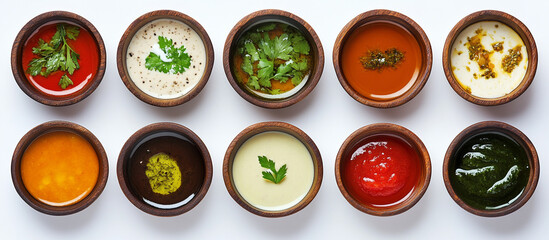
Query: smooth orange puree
(59, 168)
(389, 82)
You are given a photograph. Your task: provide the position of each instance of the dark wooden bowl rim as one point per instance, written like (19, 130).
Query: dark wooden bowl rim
(262, 127)
(274, 15)
(513, 23)
(397, 19)
(391, 130)
(52, 126)
(136, 138)
(125, 42)
(507, 130)
(17, 54)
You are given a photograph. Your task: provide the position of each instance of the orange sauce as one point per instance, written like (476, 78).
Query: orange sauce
(59, 168)
(387, 83)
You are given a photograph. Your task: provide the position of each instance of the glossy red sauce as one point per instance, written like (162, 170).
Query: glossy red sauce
(85, 45)
(382, 170)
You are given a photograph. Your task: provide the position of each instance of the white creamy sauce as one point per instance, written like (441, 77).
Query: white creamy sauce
(158, 84)
(465, 69)
(283, 149)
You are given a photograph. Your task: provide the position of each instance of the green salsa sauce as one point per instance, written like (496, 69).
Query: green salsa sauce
(489, 171)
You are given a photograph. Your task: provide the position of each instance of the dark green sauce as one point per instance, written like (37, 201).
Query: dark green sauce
(489, 171)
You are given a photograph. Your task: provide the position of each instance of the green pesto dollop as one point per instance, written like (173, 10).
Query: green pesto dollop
(489, 171)
(163, 174)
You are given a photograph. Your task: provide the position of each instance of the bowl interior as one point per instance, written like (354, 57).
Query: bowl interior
(155, 131)
(514, 24)
(406, 136)
(52, 127)
(19, 70)
(252, 131)
(265, 16)
(125, 42)
(399, 20)
(518, 137)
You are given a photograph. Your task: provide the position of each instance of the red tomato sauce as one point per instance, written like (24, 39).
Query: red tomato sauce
(85, 45)
(383, 84)
(382, 170)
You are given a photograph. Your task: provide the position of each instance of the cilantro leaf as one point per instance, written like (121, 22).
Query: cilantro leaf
(282, 47)
(266, 69)
(297, 78)
(36, 65)
(266, 28)
(300, 44)
(177, 60)
(56, 55)
(266, 46)
(247, 66)
(300, 65)
(252, 82)
(281, 72)
(65, 81)
(72, 32)
(250, 49)
(273, 175)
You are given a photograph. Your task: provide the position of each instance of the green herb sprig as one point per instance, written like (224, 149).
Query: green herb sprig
(273, 175)
(179, 59)
(280, 58)
(56, 55)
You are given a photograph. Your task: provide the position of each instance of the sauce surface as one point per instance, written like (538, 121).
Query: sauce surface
(283, 149)
(483, 73)
(190, 166)
(382, 170)
(59, 168)
(159, 84)
(489, 171)
(387, 83)
(84, 45)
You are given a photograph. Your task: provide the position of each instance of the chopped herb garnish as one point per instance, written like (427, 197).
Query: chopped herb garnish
(56, 55)
(497, 46)
(378, 60)
(478, 53)
(170, 60)
(273, 52)
(512, 59)
(273, 175)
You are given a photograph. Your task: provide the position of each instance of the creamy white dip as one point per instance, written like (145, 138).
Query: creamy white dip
(158, 84)
(468, 72)
(283, 149)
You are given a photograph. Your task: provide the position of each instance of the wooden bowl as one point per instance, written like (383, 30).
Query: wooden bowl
(407, 136)
(262, 127)
(513, 23)
(50, 127)
(149, 132)
(125, 42)
(397, 19)
(517, 136)
(17, 55)
(277, 16)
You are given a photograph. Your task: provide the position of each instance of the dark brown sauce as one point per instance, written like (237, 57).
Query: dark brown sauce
(189, 161)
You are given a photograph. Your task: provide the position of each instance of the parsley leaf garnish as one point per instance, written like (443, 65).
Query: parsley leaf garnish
(56, 55)
(65, 81)
(271, 55)
(176, 59)
(273, 175)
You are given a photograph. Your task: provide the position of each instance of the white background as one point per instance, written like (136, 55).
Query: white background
(218, 114)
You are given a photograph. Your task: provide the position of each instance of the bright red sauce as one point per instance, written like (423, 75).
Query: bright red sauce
(382, 170)
(85, 45)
